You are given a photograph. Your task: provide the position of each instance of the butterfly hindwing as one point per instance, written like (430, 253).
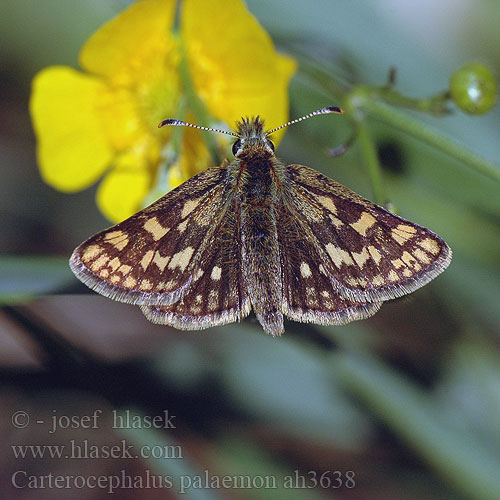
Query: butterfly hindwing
(369, 253)
(308, 292)
(149, 257)
(219, 295)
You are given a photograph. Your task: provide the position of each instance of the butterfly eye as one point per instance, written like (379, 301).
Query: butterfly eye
(236, 147)
(271, 145)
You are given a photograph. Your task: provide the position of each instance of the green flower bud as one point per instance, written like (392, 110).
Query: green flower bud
(473, 88)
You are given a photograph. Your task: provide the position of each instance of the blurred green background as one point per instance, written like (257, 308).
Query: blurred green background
(408, 401)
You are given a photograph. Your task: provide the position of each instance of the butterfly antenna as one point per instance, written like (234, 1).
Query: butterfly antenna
(322, 111)
(179, 123)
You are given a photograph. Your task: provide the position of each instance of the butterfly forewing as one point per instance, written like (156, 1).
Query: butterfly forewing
(369, 253)
(149, 258)
(219, 296)
(308, 292)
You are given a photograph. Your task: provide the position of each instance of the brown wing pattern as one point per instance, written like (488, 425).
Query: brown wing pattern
(149, 258)
(309, 294)
(368, 253)
(219, 295)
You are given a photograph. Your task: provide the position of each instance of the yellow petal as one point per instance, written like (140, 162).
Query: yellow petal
(122, 192)
(233, 64)
(121, 117)
(73, 150)
(133, 44)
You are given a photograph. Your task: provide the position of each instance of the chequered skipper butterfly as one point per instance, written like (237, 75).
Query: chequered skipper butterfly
(256, 234)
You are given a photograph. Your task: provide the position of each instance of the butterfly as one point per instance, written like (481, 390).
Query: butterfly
(256, 234)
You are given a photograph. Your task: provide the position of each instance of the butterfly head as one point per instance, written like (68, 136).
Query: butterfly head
(252, 137)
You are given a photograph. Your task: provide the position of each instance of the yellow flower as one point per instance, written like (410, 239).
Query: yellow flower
(103, 121)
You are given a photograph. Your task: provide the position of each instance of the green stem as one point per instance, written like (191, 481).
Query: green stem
(430, 136)
(372, 162)
(435, 104)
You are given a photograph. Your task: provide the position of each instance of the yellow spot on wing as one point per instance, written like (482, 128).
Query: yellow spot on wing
(421, 256)
(407, 258)
(327, 202)
(90, 252)
(120, 245)
(124, 269)
(357, 282)
(114, 264)
(153, 227)
(410, 261)
(401, 239)
(145, 261)
(397, 263)
(407, 229)
(375, 254)
(361, 257)
(305, 270)
(430, 245)
(189, 206)
(402, 233)
(145, 285)
(160, 261)
(181, 259)
(378, 280)
(169, 285)
(216, 273)
(336, 222)
(365, 222)
(118, 239)
(114, 279)
(195, 309)
(392, 276)
(182, 226)
(97, 264)
(113, 235)
(339, 255)
(130, 282)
